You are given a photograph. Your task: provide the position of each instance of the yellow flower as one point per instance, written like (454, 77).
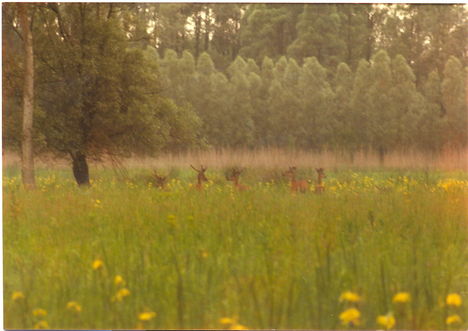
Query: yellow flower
(238, 327)
(118, 280)
(39, 312)
(146, 316)
(227, 320)
(42, 325)
(97, 264)
(350, 316)
(454, 299)
(122, 293)
(387, 321)
(73, 306)
(350, 297)
(401, 297)
(453, 319)
(17, 296)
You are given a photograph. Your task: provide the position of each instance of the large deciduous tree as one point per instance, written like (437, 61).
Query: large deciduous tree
(101, 96)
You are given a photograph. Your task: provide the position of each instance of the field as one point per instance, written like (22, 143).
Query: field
(103, 256)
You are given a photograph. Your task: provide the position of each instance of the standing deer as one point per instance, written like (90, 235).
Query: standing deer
(319, 187)
(234, 177)
(159, 181)
(201, 177)
(296, 185)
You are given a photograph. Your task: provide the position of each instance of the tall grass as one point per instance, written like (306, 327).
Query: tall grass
(278, 158)
(268, 258)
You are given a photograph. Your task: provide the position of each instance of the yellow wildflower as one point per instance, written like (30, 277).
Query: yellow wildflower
(146, 316)
(350, 316)
(453, 319)
(74, 306)
(42, 325)
(97, 264)
(454, 299)
(17, 296)
(350, 297)
(227, 320)
(387, 321)
(238, 327)
(39, 312)
(118, 280)
(401, 297)
(122, 293)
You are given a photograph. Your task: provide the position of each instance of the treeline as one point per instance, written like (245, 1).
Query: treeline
(123, 78)
(281, 103)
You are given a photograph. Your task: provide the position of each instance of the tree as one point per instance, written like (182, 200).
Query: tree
(343, 119)
(268, 29)
(102, 97)
(318, 35)
(317, 100)
(432, 123)
(27, 156)
(383, 119)
(361, 110)
(454, 102)
(407, 102)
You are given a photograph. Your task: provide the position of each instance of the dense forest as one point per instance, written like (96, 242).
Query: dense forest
(131, 78)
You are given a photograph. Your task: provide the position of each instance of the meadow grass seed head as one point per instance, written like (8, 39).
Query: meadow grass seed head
(146, 316)
(350, 316)
(453, 299)
(39, 312)
(453, 319)
(349, 297)
(387, 321)
(401, 297)
(17, 296)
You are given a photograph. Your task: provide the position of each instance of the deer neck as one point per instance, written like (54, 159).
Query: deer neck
(319, 180)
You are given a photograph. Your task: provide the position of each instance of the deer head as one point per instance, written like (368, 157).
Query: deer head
(290, 173)
(320, 173)
(235, 173)
(159, 181)
(201, 173)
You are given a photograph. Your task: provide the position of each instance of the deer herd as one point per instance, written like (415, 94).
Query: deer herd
(301, 186)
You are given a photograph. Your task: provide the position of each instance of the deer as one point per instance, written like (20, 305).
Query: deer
(158, 180)
(296, 185)
(319, 187)
(201, 177)
(234, 177)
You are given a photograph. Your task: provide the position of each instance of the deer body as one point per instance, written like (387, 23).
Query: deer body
(319, 187)
(234, 177)
(200, 177)
(296, 185)
(158, 180)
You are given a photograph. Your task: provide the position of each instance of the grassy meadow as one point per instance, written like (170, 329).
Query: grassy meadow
(124, 254)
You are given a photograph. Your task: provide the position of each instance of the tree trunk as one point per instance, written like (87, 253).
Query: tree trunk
(382, 152)
(80, 168)
(27, 158)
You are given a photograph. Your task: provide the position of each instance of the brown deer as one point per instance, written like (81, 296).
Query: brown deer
(319, 187)
(234, 177)
(158, 180)
(201, 177)
(296, 185)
